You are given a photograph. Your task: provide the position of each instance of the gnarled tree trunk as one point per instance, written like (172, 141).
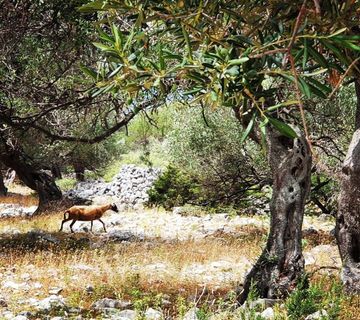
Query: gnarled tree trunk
(34, 178)
(281, 263)
(3, 189)
(79, 171)
(56, 171)
(348, 216)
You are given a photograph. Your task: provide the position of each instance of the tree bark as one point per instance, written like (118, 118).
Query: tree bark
(79, 172)
(281, 263)
(56, 171)
(3, 189)
(34, 178)
(347, 229)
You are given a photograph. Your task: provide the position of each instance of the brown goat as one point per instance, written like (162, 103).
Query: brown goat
(87, 213)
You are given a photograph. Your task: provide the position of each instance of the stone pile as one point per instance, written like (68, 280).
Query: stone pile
(128, 188)
(132, 183)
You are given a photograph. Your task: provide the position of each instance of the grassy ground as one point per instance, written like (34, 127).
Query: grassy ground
(132, 270)
(113, 270)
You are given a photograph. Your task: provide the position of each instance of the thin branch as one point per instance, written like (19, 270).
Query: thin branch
(296, 77)
(269, 52)
(96, 139)
(203, 114)
(328, 138)
(320, 185)
(297, 25)
(37, 116)
(151, 120)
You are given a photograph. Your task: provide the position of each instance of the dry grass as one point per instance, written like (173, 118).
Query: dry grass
(350, 308)
(21, 200)
(20, 189)
(49, 223)
(139, 271)
(114, 270)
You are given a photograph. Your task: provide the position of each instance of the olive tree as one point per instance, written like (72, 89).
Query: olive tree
(237, 54)
(43, 91)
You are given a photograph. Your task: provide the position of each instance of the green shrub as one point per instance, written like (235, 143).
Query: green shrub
(66, 184)
(307, 299)
(304, 300)
(172, 188)
(203, 313)
(141, 129)
(211, 152)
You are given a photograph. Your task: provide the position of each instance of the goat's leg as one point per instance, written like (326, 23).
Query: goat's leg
(103, 224)
(62, 223)
(91, 225)
(71, 225)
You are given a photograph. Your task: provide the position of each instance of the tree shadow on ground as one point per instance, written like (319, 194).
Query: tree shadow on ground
(39, 240)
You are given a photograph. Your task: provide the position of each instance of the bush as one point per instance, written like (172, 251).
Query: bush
(207, 147)
(172, 188)
(308, 299)
(66, 184)
(303, 301)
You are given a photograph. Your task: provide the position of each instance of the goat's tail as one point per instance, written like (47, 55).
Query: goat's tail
(66, 212)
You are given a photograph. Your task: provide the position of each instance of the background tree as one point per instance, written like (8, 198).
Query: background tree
(42, 88)
(38, 47)
(3, 189)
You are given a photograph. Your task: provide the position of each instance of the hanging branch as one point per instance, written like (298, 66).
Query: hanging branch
(203, 114)
(293, 69)
(343, 77)
(151, 120)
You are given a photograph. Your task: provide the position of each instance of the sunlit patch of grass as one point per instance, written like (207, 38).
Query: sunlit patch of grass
(20, 199)
(20, 189)
(49, 222)
(350, 308)
(109, 172)
(136, 157)
(66, 184)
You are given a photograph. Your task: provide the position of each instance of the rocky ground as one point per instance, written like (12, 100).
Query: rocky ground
(146, 262)
(150, 228)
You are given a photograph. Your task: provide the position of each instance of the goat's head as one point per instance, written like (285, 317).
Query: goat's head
(114, 207)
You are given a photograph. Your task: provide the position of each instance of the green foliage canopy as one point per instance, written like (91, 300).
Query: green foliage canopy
(221, 52)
